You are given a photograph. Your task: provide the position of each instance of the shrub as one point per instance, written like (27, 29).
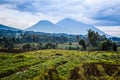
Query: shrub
(26, 46)
(74, 74)
(52, 75)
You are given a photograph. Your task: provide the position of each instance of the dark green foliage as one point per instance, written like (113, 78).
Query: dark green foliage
(30, 37)
(40, 46)
(20, 56)
(91, 70)
(74, 74)
(26, 46)
(50, 45)
(82, 42)
(52, 74)
(108, 45)
(98, 42)
(93, 38)
(70, 43)
(7, 42)
(60, 63)
(70, 48)
(110, 69)
(7, 72)
(36, 37)
(114, 46)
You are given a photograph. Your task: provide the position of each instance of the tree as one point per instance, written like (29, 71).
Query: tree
(93, 38)
(7, 43)
(50, 45)
(114, 45)
(26, 46)
(82, 42)
(10, 45)
(40, 45)
(70, 48)
(106, 45)
(70, 43)
(77, 37)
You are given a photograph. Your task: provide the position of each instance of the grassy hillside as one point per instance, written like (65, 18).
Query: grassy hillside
(60, 65)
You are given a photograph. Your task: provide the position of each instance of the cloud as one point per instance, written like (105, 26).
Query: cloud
(18, 19)
(113, 31)
(104, 12)
(96, 12)
(109, 16)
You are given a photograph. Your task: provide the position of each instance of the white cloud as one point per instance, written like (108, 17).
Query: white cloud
(24, 13)
(20, 19)
(114, 30)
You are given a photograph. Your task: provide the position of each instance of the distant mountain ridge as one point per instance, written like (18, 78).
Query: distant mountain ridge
(41, 26)
(68, 26)
(44, 26)
(76, 27)
(4, 27)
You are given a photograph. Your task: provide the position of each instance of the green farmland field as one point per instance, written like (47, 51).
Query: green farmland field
(60, 65)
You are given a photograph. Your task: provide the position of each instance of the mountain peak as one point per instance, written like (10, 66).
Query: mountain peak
(66, 25)
(70, 21)
(45, 21)
(42, 26)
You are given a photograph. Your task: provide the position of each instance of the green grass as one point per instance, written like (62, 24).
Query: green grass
(60, 65)
(66, 46)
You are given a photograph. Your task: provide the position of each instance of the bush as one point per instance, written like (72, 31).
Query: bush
(74, 74)
(26, 46)
(52, 75)
(108, 45)
(50, 45)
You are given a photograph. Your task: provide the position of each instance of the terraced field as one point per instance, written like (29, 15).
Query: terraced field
(60, 65)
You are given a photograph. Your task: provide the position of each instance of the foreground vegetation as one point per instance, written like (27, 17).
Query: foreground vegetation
(60, 65)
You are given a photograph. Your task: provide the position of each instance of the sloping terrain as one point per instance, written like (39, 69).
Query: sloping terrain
(60, 65)
(76, 27)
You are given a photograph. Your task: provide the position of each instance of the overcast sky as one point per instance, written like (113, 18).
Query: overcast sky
(105, 14)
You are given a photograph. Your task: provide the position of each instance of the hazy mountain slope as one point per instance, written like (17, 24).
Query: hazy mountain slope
(75, 27)
(4, 27)
(68, 26)
(44, 26)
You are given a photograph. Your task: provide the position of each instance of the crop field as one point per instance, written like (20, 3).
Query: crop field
(60, 65)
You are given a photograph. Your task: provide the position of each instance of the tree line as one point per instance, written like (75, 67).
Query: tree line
(36, 41)
(95, 41)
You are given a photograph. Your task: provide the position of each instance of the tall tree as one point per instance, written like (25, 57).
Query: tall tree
(82, 42)
(94, 38)
(114, 45)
